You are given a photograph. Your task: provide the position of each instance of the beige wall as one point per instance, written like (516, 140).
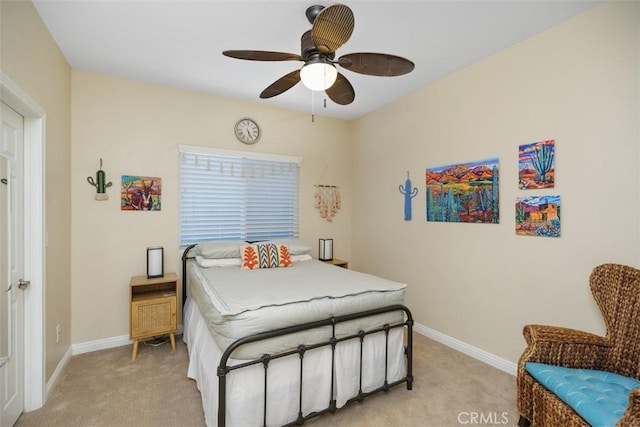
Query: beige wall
(577, 83)
(136, 128)
(31, 59)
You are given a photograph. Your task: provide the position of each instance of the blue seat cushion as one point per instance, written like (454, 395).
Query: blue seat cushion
(597, 396)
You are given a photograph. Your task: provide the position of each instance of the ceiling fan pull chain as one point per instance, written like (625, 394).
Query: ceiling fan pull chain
(313, 102)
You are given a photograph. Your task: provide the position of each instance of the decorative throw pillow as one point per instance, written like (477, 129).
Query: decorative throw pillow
(265, 255)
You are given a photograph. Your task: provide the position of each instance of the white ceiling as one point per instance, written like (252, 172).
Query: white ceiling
(179, 43)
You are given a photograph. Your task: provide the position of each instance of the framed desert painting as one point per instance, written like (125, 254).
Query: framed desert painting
(141, 193)
(538, 216)
(463, 192)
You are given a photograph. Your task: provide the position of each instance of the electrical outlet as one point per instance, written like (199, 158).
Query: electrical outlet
(58, 333)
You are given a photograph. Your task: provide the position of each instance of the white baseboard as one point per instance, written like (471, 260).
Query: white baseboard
(103, 344)
(56, 374)
(469, 350)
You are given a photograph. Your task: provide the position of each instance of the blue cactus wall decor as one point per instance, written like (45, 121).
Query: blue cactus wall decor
(409, 193)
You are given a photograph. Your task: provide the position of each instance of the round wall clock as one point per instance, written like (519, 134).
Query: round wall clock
(247, 131)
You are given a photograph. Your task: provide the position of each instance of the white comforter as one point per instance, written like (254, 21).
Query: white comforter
(237, 302)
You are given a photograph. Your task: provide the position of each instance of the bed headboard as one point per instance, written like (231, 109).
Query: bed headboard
(185, 260)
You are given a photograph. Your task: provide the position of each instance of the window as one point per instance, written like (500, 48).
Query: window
(237, 195)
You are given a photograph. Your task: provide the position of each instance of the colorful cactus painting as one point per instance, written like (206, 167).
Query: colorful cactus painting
(537, 165)
(465, 192)
(409, 193)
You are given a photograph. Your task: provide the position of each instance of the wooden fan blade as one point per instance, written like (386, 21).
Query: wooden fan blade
(261, 55)
(332, 28)
(283, 84)
(376, 64)
(341, 92)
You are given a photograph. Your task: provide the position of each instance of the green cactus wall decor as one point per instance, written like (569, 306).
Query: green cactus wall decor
(100, 184)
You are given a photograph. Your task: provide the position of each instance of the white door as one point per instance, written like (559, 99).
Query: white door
(11, 268)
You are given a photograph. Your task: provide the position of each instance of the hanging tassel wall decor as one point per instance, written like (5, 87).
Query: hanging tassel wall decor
(327, 200)
(327, 197)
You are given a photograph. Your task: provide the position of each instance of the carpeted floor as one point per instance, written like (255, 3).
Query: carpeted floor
(105, 388)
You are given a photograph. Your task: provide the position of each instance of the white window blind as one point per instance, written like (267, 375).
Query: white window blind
(237, 195)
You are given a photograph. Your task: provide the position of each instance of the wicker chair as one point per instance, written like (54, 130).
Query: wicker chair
(616, 289)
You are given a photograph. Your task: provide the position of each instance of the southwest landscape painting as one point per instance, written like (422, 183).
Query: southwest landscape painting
(537, 165)
(466, 192)
(538, 216)
(141, 193)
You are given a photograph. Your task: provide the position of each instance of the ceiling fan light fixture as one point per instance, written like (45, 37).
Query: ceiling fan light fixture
(331, 28)
(318, 75)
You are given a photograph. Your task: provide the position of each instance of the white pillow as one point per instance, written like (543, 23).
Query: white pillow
(217, 262)
(220, 248)
(297, 258)
(296, 246)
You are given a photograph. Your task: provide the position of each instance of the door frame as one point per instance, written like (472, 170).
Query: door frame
(34, 236)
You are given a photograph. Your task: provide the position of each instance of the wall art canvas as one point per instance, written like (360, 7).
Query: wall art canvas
(537, 165)
(538, 216)
(141, 193)
(466, 192)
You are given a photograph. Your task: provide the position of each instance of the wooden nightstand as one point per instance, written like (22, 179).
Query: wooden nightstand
(153, 307)
(338, 262)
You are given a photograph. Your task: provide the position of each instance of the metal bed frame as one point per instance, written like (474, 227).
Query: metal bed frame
(224, 369)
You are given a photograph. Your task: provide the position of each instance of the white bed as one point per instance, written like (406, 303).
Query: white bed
(225, 304)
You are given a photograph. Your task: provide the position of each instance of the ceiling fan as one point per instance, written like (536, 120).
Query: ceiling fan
(331, 28)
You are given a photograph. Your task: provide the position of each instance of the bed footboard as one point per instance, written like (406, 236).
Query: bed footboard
(224, 368)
